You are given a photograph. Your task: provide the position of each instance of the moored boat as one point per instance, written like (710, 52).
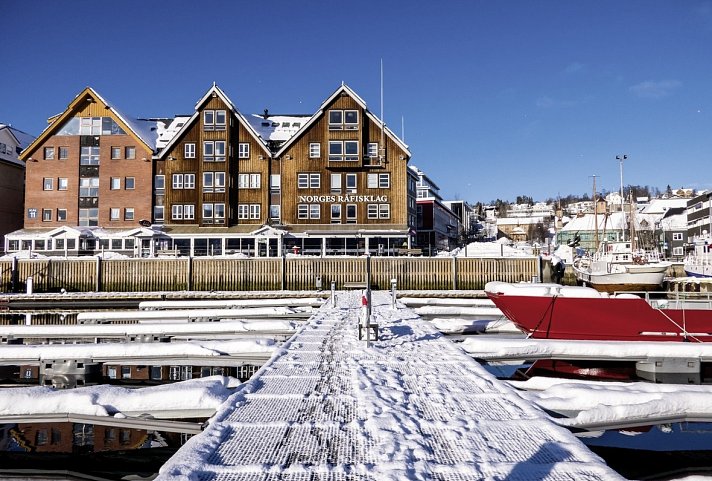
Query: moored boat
(616, 266)
(552, 311)
(698, 265)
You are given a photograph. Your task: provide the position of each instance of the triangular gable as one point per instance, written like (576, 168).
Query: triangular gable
(268, 230)
(64, 230)
(320, 112)
(128, 125)
(194, 118)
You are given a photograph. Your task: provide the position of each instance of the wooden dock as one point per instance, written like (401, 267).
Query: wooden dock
(412, 405)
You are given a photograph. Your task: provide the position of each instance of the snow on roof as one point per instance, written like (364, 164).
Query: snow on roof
(519, 220)
(660, 206)
(23, 139)
(586, 222)
(146, 130)
(277, 127)
(168, 128)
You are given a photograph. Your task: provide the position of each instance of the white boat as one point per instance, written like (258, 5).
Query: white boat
(617, 267)
(698, 265)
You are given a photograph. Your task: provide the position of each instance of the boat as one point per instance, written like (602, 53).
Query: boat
(698, 265)
(617, 266)
(552, 311)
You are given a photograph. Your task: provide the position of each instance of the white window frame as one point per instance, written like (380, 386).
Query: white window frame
(129, 213)
(61, 215)
(219, 181)
(372, 211)
(243, 150)
(177, 181)
(62, 183)
(220, 151)
(48, 183)
(351, 183)
(208, 120)
(189, 150)
(208, 181)
(189, 181)
(314, 180)
(678, 251)
(336, 157)
(177, 212)
(302, 211)
(49, 153)
(336, 213)
(384, 211)
(220, 123)
(115, 183)
(130, 183)
(677, 236)
(46, 215)
(354, 156)
(336, 125)
(115, 153)
(130, 152)
(159, 182)
(314, 150)
(351, 125)
(354, 218)
(255, 211)
(336, 183)
(372, 150)
(159, 213)
(243, 211)
(314, 211)
(188, 211)
(208, 151)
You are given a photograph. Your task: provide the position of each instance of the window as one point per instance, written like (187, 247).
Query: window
(189, 151)
(219, 151)
(159, 182)
(158, 213)
(372, 149)
(176, 212)
(336, 150)
(209, 120)
(207, 181)
(351, 119)
(189, 211)
(351, 183)
(254, 211)
(115, 153)
(89, 156)
(678, 251)
(89, 187)
(274, 212)
(31, 213)
(243, 151)
(384, 211)
(308, 180)
(189, 181)
(350, 213)
(48, 183)
(314, 211)
(249, 181)
(336, 213)
(372, 211)
(130, 153)
(379, 181)
(88, 217)
(336, 183)
(115, 183)
(90, 126)
(220, 120)
(63, 153)
(46, 215)
(129, 213)
(214, 213)
(130, 183)
(208, 151)
(351, 150)
(208, 212)
(114, 213)
(314, 150)
(303, 211)
(275, 182)
(177, 181)
(336, 119)
(243, 211)
(49, 153)
(62, 215)
(677, 236)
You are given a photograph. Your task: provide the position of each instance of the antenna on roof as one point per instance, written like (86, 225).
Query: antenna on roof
(403, 129)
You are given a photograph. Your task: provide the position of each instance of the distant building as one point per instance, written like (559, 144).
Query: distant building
(467, 217)
(673, 233)
(438, 226)
(12, 178)
(699, 218)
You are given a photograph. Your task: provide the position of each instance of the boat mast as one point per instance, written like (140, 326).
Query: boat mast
(620, 159)
(632, 223)
(595, 216)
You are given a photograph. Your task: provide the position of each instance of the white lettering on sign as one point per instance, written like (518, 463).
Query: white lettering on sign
(343, 198)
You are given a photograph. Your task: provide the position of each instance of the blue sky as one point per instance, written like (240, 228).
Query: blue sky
(498, 99)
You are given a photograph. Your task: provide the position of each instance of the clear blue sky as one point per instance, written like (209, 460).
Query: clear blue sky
(499, 98)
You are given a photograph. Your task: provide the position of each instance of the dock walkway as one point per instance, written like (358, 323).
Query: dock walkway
(411, 406)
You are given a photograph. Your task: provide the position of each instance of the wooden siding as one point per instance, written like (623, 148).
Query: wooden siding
(292, 273)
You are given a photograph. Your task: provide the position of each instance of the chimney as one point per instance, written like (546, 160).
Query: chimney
(266, 114)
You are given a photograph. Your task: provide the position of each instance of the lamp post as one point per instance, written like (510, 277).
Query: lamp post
(620, 159)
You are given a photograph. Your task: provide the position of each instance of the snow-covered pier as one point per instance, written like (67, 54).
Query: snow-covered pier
(412, 405)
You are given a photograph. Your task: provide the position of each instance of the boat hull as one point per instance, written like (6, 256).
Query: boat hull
(604, 318)
(644, 278)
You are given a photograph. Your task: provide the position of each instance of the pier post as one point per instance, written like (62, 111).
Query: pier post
(14, 276)
(97, 284)
(189, 280)
(394, 282)
(333, 293)
(454, 273)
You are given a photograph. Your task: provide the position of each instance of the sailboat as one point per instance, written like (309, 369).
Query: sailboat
(620, 265)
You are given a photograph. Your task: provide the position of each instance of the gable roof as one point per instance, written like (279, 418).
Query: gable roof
(142, 131)
(320, 112)
(193, 118)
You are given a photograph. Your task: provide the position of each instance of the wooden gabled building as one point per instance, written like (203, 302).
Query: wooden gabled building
(217, 182)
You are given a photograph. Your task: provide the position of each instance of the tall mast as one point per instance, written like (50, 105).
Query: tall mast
(620, 159)
(595, 216)
(383, 121)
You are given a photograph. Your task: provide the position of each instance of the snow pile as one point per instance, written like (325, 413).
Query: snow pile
(22, 255)
(591, 402)
(105, 400)
(486, 249)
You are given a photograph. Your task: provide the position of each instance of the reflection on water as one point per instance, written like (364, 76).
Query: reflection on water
(105, 451)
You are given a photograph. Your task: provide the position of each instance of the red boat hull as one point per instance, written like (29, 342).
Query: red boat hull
(614, 319)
